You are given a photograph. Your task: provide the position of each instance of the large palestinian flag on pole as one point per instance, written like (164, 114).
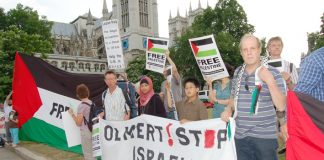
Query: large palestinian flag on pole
(41, 92)
(305, 127)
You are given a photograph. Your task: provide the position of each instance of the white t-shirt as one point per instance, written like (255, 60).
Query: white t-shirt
(7, 109)
(115, 105)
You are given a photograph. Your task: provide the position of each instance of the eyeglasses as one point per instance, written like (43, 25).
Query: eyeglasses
(246, 86)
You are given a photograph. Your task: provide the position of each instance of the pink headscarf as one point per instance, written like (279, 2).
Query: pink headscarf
(145, 98)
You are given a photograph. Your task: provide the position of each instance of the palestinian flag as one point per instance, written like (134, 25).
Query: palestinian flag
(157, 45)
(204, 47)
(305, 127)
(41, 92)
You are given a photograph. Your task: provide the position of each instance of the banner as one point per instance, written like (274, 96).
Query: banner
(154, 138)
(2, 123)
(42, 93)
(208, 57)
(113, 47)
(155, 54)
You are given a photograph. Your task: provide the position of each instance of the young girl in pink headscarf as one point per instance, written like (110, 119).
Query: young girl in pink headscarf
(150, 103)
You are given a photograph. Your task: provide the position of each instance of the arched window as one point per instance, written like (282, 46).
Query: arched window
(54, 63)
(102, 67)
(71, 65)
(87, 66)
(96, 67)
(64, 65)
(81, 66)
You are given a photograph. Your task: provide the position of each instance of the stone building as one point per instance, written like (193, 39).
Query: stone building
(79, 45)
(179, 24)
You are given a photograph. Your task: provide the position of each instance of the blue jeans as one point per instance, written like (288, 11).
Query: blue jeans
(14, 135)
(250, 148)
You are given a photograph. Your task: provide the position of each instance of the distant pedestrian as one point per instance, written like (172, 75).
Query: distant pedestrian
(13, 127)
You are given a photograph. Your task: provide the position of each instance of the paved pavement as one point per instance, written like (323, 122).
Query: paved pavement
(8, 154)
(36, 151)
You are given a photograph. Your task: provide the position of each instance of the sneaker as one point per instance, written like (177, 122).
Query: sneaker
(282, 151)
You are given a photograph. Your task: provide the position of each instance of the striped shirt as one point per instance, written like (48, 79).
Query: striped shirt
(115, 105)
(262, 124)
(311, 80)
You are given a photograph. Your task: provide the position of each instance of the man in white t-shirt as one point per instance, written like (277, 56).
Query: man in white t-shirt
(116, 108)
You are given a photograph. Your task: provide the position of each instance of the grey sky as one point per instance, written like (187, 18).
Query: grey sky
(290, 19)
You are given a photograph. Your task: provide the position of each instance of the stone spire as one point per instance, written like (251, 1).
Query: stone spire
(105, 11)
(190, 9)
(170, 17)
(89, 19)
(178, 14)
(207, 4)
(199, 4)
(186, 13)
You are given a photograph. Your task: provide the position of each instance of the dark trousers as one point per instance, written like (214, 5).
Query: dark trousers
(8, 135)
(250, 148)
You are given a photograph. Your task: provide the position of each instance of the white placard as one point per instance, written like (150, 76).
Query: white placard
(277, 63)
(113, 46)
(208, 57)
(155, 54)
(96, 147)
(72, 131)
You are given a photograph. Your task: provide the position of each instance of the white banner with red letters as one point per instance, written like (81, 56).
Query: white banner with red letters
(154, 138)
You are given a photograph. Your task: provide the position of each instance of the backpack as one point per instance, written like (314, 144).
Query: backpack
(94, 112)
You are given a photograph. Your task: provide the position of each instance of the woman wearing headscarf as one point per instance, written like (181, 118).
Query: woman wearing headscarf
(150, 103)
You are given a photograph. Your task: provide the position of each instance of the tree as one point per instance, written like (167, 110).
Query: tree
(28, 20)
(227, 22)
(21, 30)
(316, 39)
(136, 68)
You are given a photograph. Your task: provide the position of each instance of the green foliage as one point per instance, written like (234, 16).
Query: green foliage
(136, 68)
(316, 39)
(227, 22)
(28, 20)
(22, 31)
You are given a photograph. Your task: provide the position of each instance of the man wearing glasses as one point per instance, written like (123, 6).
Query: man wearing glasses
(255, 90)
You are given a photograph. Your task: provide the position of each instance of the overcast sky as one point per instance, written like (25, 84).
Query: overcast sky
(290, 19)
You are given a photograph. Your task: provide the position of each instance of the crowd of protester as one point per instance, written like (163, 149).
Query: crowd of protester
(256, 135)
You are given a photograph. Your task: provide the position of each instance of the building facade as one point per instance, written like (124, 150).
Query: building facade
(178, 25)
(79, 45)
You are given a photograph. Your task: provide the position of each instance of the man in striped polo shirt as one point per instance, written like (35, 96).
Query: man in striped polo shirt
(255, 90)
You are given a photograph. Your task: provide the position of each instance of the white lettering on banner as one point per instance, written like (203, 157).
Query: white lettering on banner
(113, 47)
(149, 137)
